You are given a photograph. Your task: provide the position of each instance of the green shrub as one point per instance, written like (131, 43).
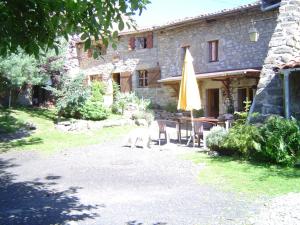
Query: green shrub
(146, 115)
(216, 137)
(198, 113)
(280, 140)
(70, 96)
(98, 91)
(116, 90)
(94, 110)
(171, 107)
(243, 140)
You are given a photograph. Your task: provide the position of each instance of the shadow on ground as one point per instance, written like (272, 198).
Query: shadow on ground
(36, 202)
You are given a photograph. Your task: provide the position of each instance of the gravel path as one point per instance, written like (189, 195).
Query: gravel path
(110, 185)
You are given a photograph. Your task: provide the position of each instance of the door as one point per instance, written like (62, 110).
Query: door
(125, 82)
(212, 102)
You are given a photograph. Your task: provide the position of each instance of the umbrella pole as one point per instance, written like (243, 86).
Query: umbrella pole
(192, 132)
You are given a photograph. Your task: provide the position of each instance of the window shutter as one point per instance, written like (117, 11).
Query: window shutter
(131, 45)
(153, 77)
(149, 43)
(125, 82)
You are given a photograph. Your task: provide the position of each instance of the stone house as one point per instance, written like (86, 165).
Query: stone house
(227, 63)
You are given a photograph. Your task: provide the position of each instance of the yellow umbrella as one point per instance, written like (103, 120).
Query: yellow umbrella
(189, 96)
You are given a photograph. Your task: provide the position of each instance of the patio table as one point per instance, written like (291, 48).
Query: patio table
(186, 120)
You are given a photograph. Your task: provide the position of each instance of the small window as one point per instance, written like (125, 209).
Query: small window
(213, 50)
(140, 42)
(143, 78)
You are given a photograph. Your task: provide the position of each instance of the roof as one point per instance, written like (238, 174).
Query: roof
(250, 72)
(207, 16)
(294, 63)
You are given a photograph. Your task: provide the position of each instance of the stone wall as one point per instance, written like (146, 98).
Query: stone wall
(235, 49)
(284, 46)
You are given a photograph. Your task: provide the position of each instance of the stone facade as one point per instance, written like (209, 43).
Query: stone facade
(284, 46)
(235, 51)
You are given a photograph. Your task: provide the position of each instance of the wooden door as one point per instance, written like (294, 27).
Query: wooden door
(212, 102)
(126, 82)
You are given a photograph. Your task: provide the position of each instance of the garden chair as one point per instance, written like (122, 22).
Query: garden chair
(162, 129)
(202, 128)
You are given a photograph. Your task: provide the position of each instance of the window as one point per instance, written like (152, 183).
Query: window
(143, 78)
(213, 50)
(243, 95)
(140, 42)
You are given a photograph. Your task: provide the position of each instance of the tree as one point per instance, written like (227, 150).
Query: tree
(18, 69)
(36, 24)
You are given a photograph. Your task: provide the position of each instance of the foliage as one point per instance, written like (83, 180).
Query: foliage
(19, 69)
(98, 90)
(116, 90)
(216, 137)
(240, 176)
(146, 115)
(70, 95)
(123, 100)
(171, 107)
(198, 113)
(280, 140)
(47, 138)
(94, 110)
(243, 140)
(44, 21)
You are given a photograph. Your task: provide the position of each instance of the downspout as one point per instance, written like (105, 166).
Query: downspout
(270, 7)
(286, 88)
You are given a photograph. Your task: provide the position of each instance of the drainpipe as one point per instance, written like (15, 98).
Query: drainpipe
(270, 7)
(286, 88)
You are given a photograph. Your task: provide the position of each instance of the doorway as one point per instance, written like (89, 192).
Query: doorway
(212, 102)
(117, 78)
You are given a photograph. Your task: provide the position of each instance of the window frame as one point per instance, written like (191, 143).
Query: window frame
(216, 51)
(137, 46)
(143, 78)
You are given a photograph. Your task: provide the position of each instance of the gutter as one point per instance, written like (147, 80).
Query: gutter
(268, 8)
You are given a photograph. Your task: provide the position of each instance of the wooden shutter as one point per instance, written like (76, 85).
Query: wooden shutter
(153, 77)
(131, 44)
(149, 43)
(125, 82)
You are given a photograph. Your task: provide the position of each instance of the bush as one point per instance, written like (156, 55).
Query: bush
(216, 137)
(94, 110)
(146, 115)
(280, 141)
(243, 140)
(98, 90)
(171, 107)
(70, 96)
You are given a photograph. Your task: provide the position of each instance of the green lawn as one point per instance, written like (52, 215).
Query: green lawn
(244, 177)
(46, 138)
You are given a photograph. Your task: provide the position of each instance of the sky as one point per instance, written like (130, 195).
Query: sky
(161, 11)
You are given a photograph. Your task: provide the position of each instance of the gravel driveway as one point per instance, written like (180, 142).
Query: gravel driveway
(110, 185)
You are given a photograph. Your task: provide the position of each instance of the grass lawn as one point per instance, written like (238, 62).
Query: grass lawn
(46, 138)
(247, 178)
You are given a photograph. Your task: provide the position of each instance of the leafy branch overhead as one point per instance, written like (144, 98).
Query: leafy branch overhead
(36, 24)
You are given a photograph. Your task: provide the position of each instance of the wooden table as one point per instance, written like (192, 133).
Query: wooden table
(185, 120)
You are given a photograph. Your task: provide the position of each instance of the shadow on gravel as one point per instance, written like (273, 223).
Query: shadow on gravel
(135, 222)
(36, 202)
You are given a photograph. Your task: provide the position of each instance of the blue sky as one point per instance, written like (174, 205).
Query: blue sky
(162, 11)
